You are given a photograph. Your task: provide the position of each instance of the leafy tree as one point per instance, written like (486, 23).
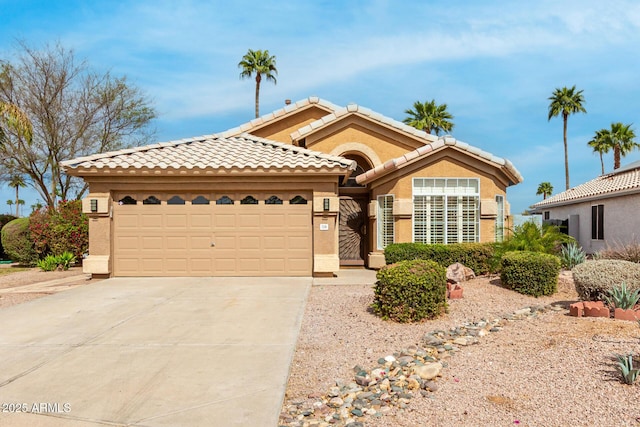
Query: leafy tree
(430, 117)
(545, 188)
(17, 182)
(566, 101)
(601, 145)
(74, 111)
(258, 63)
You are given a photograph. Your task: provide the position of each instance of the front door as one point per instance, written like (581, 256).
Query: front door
(353, 230)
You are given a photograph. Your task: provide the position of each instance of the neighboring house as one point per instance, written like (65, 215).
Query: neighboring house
(300, 191)
(602, 212)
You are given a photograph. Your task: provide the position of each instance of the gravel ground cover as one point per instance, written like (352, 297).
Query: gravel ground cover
(550, 369)
(28, 277)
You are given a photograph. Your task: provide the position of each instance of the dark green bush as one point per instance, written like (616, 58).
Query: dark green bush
(4, 219)
(17, 243)
(476, 256)
(410, 291)
(530, 273)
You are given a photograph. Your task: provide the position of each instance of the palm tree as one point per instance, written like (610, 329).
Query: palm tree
(622, 140)
(565, 102)
(545, 188)
(429, 117)
(13, 117)
(16, 181)
(261, 64)
(10, 203)
(601, 145)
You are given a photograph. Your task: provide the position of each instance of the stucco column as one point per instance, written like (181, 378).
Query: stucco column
(97, 206)
(326, 258)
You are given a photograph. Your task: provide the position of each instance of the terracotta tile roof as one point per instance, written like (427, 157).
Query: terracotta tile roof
(623, 180)
(212, 152)
(425, 151)
(364, 112)
(276, 115)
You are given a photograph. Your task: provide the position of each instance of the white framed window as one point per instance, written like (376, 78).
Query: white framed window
(499, 235)
(385, 220)
(446, 210)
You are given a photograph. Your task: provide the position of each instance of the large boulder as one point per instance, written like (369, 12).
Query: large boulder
(457, 273)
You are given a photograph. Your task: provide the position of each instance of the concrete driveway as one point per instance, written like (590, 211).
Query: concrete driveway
(151, 352)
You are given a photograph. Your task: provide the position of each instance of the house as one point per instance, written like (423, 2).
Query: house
(601, 212)
(301, 191)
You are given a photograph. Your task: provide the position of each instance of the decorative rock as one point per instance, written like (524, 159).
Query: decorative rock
(429, 371)
(335, 402)
(457, 273)
(460, 341)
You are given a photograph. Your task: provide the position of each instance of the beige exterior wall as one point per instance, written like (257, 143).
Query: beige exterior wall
(282, 129)
(621, 222)
(385, 143)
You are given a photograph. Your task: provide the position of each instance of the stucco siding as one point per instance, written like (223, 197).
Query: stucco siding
(621, 221)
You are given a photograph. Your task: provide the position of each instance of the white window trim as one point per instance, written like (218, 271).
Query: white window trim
(380, 219)
(445, 193)
(499, 232)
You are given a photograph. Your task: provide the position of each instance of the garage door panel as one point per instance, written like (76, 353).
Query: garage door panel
(175, 240)
(176, 221)
(151, 242)
(151, 220)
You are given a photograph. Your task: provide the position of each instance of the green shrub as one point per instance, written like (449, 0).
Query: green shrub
(64, 229)
(4, 219)
(530, 273)
(572, 255)
(62, 262)
(410, 291)
(594, 279)
(622, 297)
(530, 237)
(17, 243)
(476, 256)
(626, 252)
(49, 263)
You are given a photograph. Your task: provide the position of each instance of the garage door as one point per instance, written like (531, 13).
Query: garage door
(230, 234)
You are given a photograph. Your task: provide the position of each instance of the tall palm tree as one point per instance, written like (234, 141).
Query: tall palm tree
(10, 203)
(566, 101)
(429, 117)
(16, 181)
(258, 63)
(622, 140)
(11, 116)
(545, 188)
(601, 145)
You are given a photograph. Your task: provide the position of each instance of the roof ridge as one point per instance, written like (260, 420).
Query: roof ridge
(355, 108)
(428, 149)
(287, 109)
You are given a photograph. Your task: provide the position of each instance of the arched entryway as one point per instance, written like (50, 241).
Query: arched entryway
(354, 198)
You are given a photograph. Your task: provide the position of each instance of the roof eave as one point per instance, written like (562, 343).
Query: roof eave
(619, 193)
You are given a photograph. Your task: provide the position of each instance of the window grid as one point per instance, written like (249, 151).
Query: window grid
(446, 210)
(386, 228)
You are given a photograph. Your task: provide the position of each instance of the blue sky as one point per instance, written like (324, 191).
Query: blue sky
(494, 63)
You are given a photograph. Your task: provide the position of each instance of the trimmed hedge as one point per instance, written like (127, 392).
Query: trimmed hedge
(410, 291)
(594, 279)
(476, 256)
(530, 273)
(17, 243)
(4, 219)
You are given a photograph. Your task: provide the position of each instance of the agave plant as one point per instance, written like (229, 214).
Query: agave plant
(66, 260)
(625, 366)
(622, 297)
(572, 255)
